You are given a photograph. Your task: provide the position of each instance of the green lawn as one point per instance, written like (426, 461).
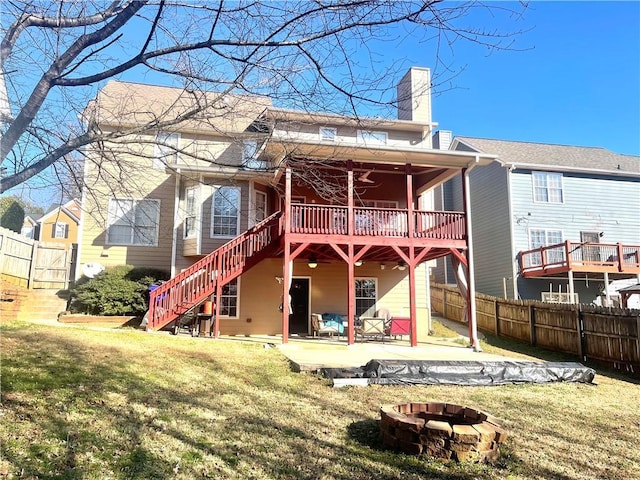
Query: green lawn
(86, 404)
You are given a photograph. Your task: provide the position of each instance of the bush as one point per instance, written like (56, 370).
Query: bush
(121, 290)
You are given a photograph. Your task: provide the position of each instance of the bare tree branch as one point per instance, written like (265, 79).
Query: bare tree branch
(55, 55)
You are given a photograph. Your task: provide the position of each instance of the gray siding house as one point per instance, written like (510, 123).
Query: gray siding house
(550, 222)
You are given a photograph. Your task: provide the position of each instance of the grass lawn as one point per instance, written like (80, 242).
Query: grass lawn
(79, 403)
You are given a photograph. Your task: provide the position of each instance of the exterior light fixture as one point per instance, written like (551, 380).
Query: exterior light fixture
(402, 266)
(313, 263)
(358, 263)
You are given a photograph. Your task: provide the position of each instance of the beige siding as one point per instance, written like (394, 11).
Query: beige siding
(260, 294)
(130, 177)
(48, 225)
(348, 134)
(209, 244)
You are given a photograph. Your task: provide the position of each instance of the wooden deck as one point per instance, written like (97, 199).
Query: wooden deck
(583, 257)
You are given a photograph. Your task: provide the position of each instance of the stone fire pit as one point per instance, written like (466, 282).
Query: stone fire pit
(441, 430)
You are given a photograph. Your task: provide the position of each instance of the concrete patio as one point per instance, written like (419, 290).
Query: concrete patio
(312, 354)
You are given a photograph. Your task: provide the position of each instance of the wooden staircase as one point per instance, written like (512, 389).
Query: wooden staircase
(191, 287)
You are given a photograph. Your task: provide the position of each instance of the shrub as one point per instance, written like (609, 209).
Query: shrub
(121, 290)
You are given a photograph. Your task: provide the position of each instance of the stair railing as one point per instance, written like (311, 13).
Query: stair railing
(193, 285)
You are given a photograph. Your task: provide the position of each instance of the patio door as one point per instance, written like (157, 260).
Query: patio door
(299, 316)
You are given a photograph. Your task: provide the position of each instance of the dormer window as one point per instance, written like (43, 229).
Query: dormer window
(328, 134)
(369, 137)
(166, 149)
(250, 159)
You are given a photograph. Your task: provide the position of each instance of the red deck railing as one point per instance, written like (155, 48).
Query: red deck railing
(580, 257)
(192, 286)
(376, 222)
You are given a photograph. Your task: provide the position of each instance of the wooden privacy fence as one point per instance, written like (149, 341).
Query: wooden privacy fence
(590, 332)
(30, 263)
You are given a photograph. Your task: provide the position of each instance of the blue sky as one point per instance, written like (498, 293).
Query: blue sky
(576, 82)
(572, 77)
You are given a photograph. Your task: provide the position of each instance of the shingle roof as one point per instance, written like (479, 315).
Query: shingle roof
(558, 156)
(125, 103)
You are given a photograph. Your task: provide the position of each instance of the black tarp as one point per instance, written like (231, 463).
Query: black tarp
(451, 372)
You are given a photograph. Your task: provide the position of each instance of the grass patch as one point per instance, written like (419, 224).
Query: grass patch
(439, 330)
(86, 404)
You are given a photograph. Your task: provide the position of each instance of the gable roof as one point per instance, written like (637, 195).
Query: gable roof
(71, 208)
(127, 104)
(554, 157)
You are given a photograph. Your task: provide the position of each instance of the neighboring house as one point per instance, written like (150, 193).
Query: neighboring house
(30, 226)
(60, 223)
(268, 211)
(550, 222)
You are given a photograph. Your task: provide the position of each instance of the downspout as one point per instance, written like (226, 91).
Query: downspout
(176, 204)
(470, 263)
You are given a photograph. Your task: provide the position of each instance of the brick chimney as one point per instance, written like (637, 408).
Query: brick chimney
(414, 95)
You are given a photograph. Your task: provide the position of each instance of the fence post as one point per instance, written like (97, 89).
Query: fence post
(580, 330)
(532, 325)
(444, 302)
(32, 266)
(496, 321)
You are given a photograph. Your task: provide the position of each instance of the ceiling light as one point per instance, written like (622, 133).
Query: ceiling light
(358, 263)
(313, 263)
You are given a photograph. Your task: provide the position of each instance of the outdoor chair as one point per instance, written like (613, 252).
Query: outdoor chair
(371, 327)
(320, 326)
(399, 326)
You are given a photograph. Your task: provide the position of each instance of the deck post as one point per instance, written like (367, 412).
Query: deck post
(471, 281)
(413, 311)
(606, 289)
(571, 286)
(287, 263)
(410, 219)
(216, 322)
(351, 301)
(350, 214)
(287, 275)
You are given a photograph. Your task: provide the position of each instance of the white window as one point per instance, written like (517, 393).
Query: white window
(225, 212)
(27, 231)
(369, 137)
(250, 156)
(166, 149)
(229, 299)
(366, 297)
(60, 230)
(261, 206)
(541, 238)
(379, 203)
(191, 212)
(328, 134)
(133, 222)
(547, 187)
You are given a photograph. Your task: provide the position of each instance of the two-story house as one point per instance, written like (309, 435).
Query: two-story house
(270, 213)
(60, 223)
(550, 222)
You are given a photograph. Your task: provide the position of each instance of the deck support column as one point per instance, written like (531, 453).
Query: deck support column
(412, 299)
(571, 287)
(351, 301)
(471, 281)
(606, 289)
(413, 311)
(287, 262)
